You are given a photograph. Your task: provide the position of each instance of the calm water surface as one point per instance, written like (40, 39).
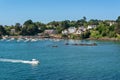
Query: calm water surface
(65, 62)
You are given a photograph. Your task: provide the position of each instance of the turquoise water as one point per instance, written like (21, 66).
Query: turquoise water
(65, 62)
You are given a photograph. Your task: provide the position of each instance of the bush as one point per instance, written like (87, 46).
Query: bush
(64, 36)
(72, 36)
(95, 34)
(112, 34)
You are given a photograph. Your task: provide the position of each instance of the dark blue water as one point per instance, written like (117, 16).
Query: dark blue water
(65, 62)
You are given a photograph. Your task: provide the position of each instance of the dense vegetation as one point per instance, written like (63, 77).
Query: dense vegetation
(103, 29)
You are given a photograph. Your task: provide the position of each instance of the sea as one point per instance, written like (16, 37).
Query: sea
(59, 61)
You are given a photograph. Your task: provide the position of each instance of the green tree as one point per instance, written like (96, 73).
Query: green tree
(24, 31)
(81, 22)
(41, 26)
(28, 22)
(117, 29)
(95, 34)
(54, 23)
(112, 34)
(18, 27)
(84, 18)
(59, 29)
(93, 22)
(85, 35)
(30, 28)
(2, 30)
(7, 29)
(65, 24)
(118, 19)
(73, 23)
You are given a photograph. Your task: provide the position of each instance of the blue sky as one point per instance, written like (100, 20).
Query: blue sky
(13, 11)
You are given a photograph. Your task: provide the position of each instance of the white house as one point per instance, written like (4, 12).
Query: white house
(65, 32)
(72, 30)
(91, 26)
(80, 30)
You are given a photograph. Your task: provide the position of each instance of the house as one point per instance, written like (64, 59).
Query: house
(72, 30)
(80, 30)
(91, 26)
(40, 34)
(65, 32)
(13, 31)
(51, 31)
(111, 23)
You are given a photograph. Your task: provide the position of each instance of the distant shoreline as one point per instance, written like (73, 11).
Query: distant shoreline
(104, 39)
(43, 37)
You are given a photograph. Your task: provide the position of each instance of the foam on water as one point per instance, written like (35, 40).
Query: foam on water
(19, 61)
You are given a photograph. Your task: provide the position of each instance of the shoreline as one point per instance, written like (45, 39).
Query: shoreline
(104, 39)
(52, 37)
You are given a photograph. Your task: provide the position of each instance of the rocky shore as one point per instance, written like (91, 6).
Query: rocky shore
(104, 39)
(59, 37)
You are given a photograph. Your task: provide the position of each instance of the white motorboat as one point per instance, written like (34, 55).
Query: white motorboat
(33, 61)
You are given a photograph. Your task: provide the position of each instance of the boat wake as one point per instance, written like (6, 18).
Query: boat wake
(33, 61)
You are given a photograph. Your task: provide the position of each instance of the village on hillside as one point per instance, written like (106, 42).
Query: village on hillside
(80, 29)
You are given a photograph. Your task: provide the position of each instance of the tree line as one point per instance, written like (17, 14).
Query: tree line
(103, 29)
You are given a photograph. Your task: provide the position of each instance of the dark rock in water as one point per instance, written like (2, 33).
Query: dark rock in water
(55, 46)
(76, 44)
(66, 43)
(93, 44)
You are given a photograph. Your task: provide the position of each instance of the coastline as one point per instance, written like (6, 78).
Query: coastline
(104, 39)
(59, 37)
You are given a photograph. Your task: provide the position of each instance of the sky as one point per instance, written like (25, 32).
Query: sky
(14, 11)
